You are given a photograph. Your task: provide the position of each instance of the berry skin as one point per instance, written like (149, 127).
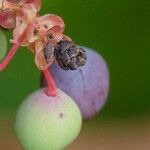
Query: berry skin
(3, 45)
(47, 123)
(88, 86)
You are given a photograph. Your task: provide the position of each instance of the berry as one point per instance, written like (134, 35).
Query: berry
(47, 123)
(3, 45)
(88, 86)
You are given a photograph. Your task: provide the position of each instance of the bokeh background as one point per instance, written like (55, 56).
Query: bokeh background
(120, 32)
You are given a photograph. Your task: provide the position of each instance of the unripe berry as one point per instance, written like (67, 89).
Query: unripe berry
(47, 123)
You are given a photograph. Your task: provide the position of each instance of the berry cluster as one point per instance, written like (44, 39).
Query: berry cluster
(52, 119)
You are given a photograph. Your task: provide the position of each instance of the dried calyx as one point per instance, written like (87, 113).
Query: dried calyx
(66, 53)
(49, 52)
(69, 56)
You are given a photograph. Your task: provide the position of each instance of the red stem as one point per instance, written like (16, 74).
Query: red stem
(51, 89)
(9, 57)
(11, 53)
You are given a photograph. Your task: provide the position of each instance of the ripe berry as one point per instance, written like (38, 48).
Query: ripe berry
(88, 85)
(47, 123)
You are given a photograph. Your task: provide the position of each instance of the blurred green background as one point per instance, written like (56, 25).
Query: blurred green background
(118, 30)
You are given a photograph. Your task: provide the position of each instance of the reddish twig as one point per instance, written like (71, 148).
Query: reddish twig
(11, 53)
(51, 89)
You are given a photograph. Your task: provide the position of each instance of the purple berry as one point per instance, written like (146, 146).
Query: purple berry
(88, 86)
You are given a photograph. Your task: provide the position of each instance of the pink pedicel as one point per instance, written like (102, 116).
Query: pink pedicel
(51, 90)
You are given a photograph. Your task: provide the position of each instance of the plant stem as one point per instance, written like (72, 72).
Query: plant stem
(12, 52)
(9, 57)
(51, 89)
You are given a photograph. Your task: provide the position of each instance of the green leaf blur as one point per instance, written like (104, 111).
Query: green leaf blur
(119, 30)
